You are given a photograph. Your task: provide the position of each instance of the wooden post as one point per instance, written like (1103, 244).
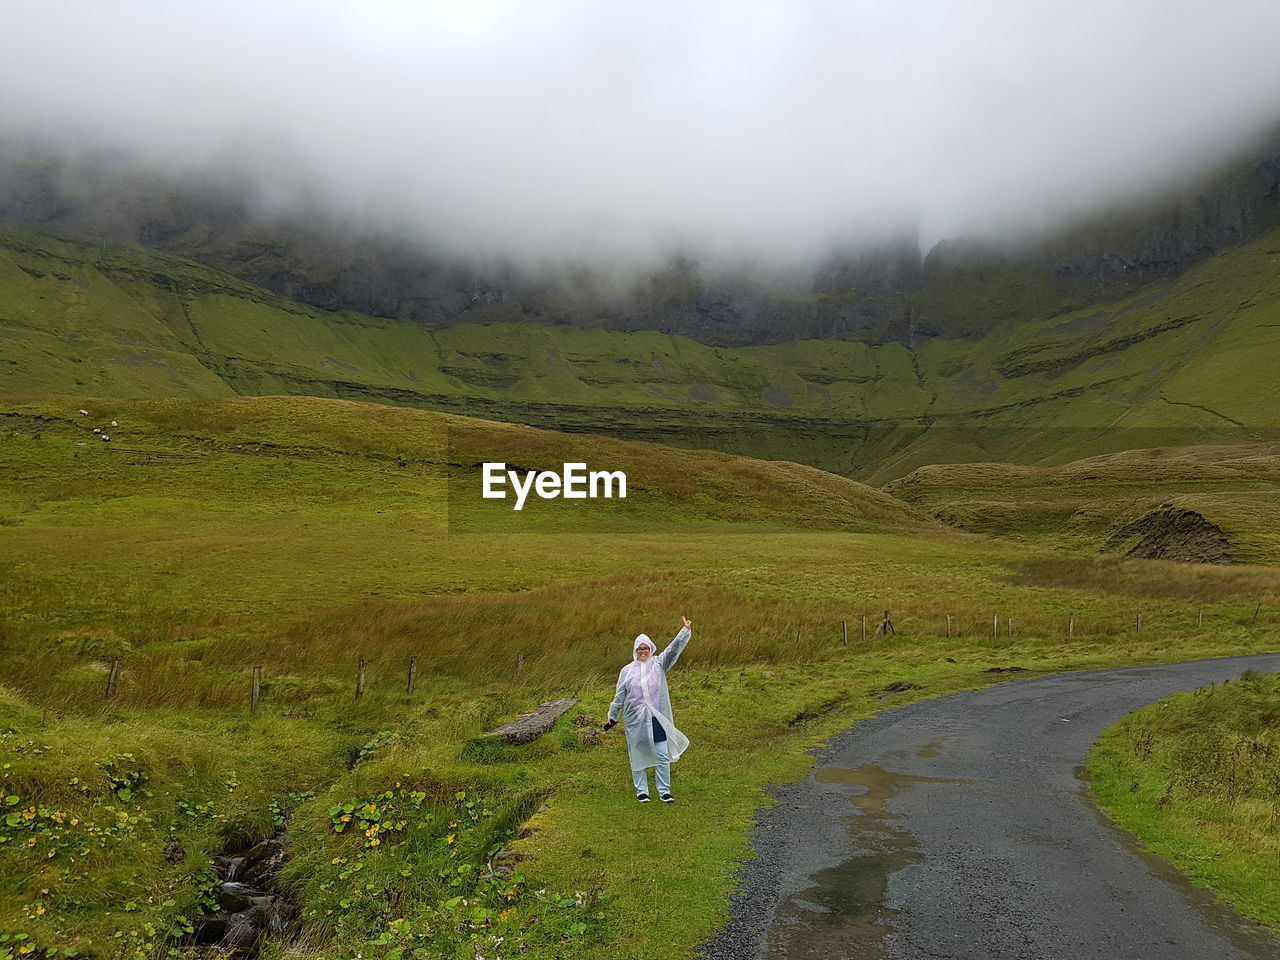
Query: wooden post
(360, 679)
(256, 693)
(1071, 625)
(948, 625)
(1257, 611)
(1011, 626)
(1200, 623)
(1137, 626)
(844, 631)
(797, 638)
(519, 662)
(864, 626)
(886, 626)
(113, 677)
(413, 675)
(995, 625)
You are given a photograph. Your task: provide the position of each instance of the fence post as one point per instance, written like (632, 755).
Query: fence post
(864, 626)
(948, 625)
(413, 675)
(360, 679)
(1138, 624)
(995, 625)
(797, 637)
(844, 631)
(113, 677)
(1011, 626)
(519, 662)
(1200, 622)
(1071, 625)
(1257, 611)
(256, 693)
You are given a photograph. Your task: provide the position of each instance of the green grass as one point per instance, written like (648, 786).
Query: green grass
(1197, 778)
(303, 534)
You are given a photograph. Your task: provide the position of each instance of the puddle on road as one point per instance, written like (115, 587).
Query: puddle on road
(843, 914)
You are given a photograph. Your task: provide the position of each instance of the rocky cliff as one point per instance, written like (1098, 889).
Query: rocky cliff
(885, 292)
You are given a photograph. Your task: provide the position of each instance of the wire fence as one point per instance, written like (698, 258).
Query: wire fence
(401, 673)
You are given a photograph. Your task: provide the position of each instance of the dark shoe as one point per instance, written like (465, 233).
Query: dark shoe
(642, 797)
(668, 798)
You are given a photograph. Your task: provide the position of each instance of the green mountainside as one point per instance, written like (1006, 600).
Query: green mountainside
(1183, 361)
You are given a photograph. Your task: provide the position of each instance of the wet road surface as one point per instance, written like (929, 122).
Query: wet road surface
(960, 828)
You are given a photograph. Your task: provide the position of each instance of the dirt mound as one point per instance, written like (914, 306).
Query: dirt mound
(1172, 533)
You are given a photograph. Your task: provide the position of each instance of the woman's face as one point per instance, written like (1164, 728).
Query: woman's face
(644, 652)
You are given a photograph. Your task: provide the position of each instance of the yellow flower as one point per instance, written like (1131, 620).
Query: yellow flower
(450, 838)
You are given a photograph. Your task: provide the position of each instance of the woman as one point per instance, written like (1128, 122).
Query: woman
(642, 698)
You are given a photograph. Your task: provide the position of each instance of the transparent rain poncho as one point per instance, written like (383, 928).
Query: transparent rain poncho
(642, 696)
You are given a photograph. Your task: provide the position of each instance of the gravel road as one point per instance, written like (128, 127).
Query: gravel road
(961, 828)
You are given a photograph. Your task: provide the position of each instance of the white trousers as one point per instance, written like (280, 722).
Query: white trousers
(662, 772)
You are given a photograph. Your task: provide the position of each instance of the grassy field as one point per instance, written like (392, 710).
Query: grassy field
(1182, 362)
(1197, 778)
(305, 534)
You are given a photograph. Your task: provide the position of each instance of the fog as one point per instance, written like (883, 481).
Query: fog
(569, 129)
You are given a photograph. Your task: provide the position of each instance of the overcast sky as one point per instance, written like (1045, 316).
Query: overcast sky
(572, 128)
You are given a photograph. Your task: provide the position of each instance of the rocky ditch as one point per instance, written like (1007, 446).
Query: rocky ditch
(250, 908)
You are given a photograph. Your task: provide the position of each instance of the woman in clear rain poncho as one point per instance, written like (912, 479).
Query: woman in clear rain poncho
(645, 705)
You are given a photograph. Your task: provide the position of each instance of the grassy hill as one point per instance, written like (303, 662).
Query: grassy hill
(1216, 504)
(1186, 361)
(239, 491)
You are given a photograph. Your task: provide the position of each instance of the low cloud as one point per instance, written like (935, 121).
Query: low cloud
(569, 129)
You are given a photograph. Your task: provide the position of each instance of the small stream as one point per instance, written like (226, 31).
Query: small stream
(250, 910)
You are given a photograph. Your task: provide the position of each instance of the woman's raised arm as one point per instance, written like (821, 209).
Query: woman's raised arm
(667, 659)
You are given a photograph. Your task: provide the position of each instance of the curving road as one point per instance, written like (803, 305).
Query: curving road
(959, 828)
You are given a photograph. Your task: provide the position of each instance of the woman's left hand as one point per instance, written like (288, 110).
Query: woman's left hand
(687, 622)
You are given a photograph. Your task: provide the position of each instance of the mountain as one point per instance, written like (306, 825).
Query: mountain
(883, 292)
(1181, 360)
